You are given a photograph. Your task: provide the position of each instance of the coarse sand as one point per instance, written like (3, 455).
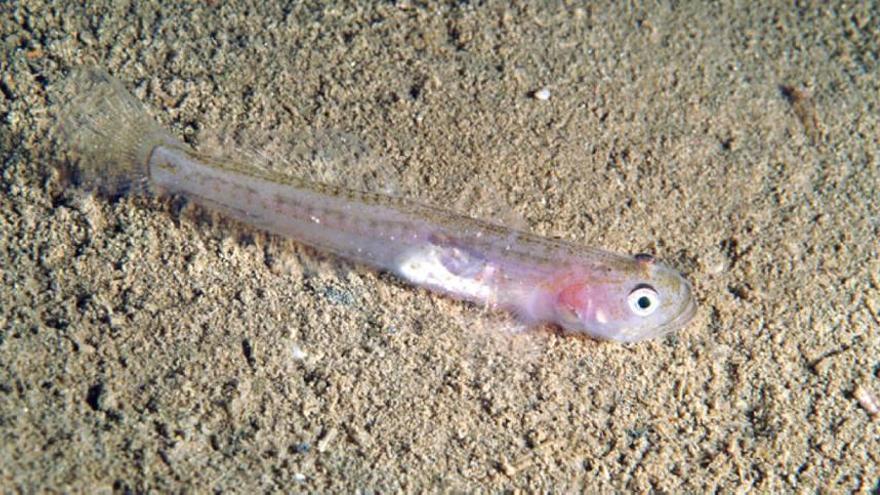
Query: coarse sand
(145, 346)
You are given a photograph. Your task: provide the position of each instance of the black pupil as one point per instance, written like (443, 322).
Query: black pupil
(644, 302)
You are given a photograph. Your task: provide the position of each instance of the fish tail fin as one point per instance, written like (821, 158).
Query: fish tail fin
(107, 133)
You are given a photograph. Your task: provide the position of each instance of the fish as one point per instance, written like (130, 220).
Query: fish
(119, 149)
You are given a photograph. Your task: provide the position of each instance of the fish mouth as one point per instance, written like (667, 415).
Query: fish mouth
(684, 315)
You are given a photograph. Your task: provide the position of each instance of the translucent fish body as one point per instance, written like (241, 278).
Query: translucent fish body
(540, 280)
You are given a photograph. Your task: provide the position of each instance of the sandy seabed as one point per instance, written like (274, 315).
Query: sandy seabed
(144, 347)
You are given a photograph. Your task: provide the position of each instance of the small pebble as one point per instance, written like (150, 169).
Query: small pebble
(298, 354)
(867, 400)
(324, 442)
(542, 94)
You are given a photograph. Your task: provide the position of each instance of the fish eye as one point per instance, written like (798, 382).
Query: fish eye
(643, 300)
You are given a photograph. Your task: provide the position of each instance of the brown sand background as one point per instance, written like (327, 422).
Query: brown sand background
(146, 349)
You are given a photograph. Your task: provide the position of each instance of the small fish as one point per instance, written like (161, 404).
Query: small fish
(119, 148)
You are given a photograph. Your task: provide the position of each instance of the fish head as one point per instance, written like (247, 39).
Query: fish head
(627, 299)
